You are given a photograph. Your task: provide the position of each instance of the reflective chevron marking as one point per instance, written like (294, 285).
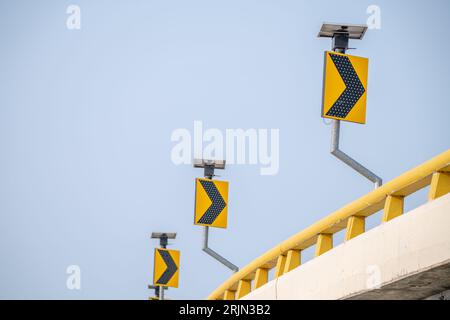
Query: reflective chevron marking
(171, 267)
(211, 203)
(353, 91)
(217, 205)
(344, 94)
(166, 267)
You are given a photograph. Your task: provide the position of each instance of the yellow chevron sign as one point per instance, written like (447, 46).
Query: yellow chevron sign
(211, 203)
(345, 87)
(166, 267)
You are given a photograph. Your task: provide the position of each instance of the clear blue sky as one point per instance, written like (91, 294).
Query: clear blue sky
(86, 118)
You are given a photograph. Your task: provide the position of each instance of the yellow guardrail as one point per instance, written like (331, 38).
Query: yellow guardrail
(390, 197)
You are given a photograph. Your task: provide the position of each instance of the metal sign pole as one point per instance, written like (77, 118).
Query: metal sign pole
(355, 165)
(163, 243)
(161, 293)
(214, 254)
(340, 40)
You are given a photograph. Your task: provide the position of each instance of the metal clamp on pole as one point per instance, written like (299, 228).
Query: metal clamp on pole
(340, 34)
(157, 294)
(209, 166)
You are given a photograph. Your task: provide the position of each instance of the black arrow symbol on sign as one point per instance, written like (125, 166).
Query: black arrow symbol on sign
(217, 205)
(353, 91)
(171, 267)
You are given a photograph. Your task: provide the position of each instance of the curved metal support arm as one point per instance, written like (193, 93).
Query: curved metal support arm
(214, 254)
(335, 151)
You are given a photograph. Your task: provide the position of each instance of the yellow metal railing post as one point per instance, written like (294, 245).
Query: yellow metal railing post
(393, 207)
(261, 277)
(279, 269)
(355, 226)
(244, 288)
(228, 295)
(292, 260)
(324, 243)
(440, 185)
